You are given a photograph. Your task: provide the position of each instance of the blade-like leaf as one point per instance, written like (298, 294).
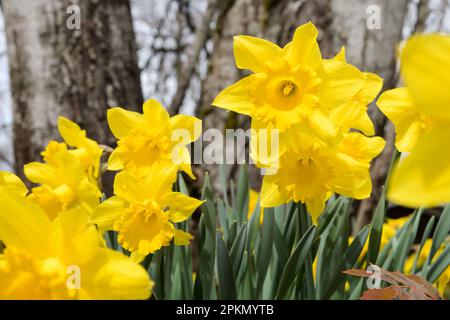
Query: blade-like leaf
(227, 284)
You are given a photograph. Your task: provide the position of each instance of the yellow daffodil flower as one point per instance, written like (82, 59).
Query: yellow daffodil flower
(13, 182)
(86, 150)
(60, 259)
(422, 119)
(144, 210)
(151, 137)
(310, 174)
(63, 184)
(290, 85)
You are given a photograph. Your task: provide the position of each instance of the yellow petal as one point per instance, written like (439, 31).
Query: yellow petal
(323, 127)
(315, 207)
(130, 188)
(13, 182)
(115, 162)
(362, 148)
(236, 97)
(121, 121)
(42, 173)
(181, 206)
(399, 107)
(182, 238)
(137, 257)
(107, 212)
(422, 178)
(341, 55)
(372, 87)
(270, 194)
(365, 124)
(72, 239)
(266, 144)
(191, 124)
(70, 132)
(23, 224)
(425, 65)
(155, 114)
(304, 49)
(344, 82)
(114, 276)
(253, 53)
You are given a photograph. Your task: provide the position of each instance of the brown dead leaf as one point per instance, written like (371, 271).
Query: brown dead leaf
(404, 287)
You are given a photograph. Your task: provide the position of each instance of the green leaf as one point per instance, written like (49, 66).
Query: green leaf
(405, 241)
(438, 267)
(224, 182)
(376, 230)
(295, 263)
(442, 231)
(237, 249)
(425, 236)
(242, 194)
(207, 236)
(265, 253)
(348, 261)
(227, 284)
(253, 226)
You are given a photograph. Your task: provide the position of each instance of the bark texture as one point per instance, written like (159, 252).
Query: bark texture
(77, 73)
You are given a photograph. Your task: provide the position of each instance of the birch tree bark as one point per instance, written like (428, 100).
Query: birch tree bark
(59, 69)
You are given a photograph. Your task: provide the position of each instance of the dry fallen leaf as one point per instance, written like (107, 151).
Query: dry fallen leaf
(403, 287)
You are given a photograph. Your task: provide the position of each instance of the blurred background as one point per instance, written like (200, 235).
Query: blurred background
(179, 52)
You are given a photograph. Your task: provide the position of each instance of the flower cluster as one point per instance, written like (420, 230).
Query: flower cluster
(144, 208)
(58, 225)
(315, 105)
(52, 250)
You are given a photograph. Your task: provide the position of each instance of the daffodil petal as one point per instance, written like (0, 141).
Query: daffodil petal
(182, 238)
(130, 188)
(315, 207)
(236, 97)
(399, 107)
(422, 178)
(304, 49)
(343, 83)
(13, 182)
(425, 61)
(253, 53)
(23, 224)
(107, 212)
(41, 173)
(191, 124)
(122, 121)
(181, 206)
(115, 162)
(116, 277)
(270, 194)
(365, 124)
(155, 113)
(70, 132)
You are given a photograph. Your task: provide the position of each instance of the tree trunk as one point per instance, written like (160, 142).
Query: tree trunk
(58, 70)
